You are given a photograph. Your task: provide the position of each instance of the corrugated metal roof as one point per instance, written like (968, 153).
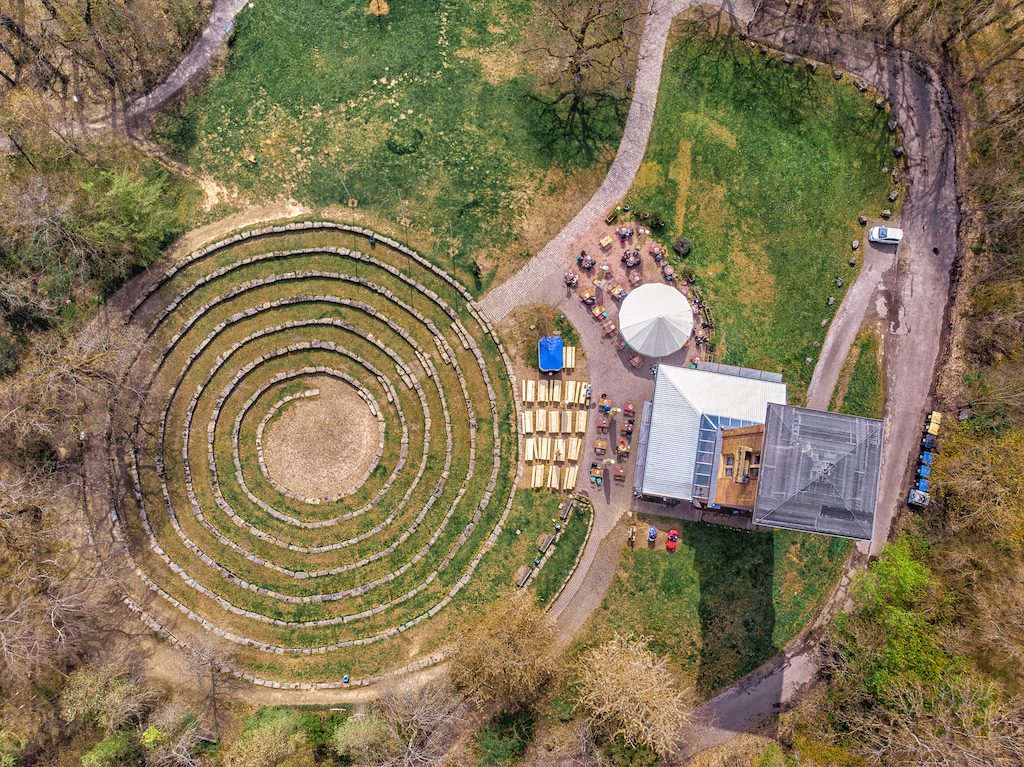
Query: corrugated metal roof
(819, 472)
(682, 396)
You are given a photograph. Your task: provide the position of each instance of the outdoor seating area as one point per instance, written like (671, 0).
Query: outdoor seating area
(604, 288)
(553, 423)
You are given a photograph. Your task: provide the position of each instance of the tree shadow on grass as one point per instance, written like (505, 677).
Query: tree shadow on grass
(737, 615)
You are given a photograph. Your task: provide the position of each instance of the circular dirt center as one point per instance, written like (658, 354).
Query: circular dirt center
(323, 446)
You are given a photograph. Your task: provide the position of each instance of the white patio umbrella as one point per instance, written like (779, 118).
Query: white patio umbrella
(655, 320)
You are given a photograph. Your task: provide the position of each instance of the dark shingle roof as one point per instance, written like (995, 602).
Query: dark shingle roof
(819, 472)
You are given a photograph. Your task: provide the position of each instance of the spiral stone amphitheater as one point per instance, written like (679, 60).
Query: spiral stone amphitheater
(306, 555)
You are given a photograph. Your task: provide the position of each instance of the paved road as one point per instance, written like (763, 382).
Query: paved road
(910, 289)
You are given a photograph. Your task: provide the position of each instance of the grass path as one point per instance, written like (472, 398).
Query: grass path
(861, 387)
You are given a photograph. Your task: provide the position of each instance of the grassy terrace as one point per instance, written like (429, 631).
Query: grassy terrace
(557, 568)
(422, 114)
(765, 168)
(431, 523)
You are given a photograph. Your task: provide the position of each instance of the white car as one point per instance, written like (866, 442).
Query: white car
(886, 235)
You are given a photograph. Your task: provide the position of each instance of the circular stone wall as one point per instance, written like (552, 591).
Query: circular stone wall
(322, 453)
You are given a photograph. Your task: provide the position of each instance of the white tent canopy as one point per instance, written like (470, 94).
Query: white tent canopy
(655, 319)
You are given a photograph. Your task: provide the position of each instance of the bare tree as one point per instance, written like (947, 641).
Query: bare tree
(99, 52)
(52, 596)
(964, 723)
(591, 54)
(49, 398)
(110, 693)
(631, 694)
(206, 664)
(178, 738)
(982, 488)
(407, 726)
(507, 658)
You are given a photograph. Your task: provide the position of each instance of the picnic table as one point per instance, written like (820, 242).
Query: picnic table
(669, 272)
(620, 343)
(635, 278)
(571, 279)
(600, 446)
(599, 312)
(627, 427)
(607, 328)
(596, 474)
(619, 292)
(604, 404)
(602, 424)
(636, 361)
(606, 241)
(622, 446)
(588, 296)
(629, 409)
(619, 474)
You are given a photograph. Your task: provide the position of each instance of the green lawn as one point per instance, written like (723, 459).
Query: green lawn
(422, 114)
(861, 387)
(722, 604)
(558, 566)
(764, 167)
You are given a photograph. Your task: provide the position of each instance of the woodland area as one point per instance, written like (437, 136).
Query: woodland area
(928, 668)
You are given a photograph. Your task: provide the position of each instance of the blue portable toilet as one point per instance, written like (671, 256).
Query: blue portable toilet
(924, 471)
(550, 354)
(926, 458)
(923, 485)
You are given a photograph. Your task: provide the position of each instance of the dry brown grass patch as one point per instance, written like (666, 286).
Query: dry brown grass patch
(322, 447)
(497, 66)
(756, 281)
(378, 8)
(711, 210)
(679, 171)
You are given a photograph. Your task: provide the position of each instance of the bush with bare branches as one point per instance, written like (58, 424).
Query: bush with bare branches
(630, 694)
(508, 657)
(409, 725)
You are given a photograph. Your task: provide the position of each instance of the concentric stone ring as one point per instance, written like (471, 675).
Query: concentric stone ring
(334, 555)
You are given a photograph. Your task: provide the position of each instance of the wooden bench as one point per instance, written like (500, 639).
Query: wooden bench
(544, 542)
(567, 509)
(522, 576)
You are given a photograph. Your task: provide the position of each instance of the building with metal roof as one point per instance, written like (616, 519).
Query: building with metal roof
(680, 426)
(724, 439)
(819, 472)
